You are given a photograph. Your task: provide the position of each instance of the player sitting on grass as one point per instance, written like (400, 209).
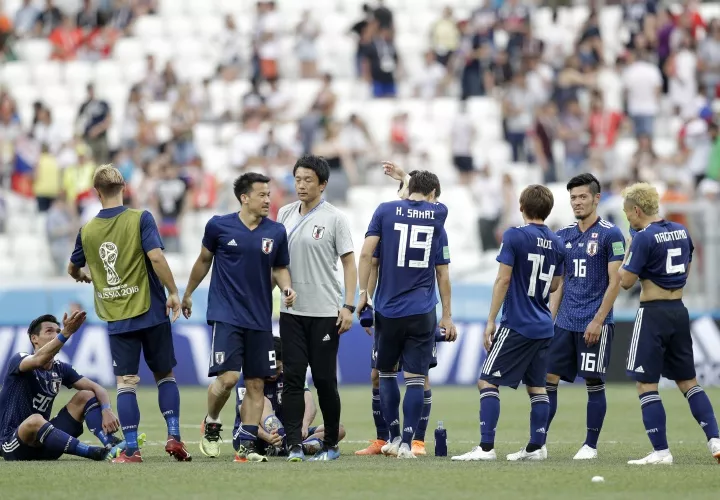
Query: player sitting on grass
(32, 382)
(271, 433)
(382, 433)
(660, 256)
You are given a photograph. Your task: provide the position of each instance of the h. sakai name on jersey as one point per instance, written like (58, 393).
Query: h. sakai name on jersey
(415, 214)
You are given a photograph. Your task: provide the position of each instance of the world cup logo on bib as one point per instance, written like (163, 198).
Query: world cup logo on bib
(109, 255)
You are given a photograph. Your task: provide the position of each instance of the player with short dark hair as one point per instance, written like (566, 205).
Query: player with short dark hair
(661, 346)
(531, 266)
(250, 254)
(129, 273)
(29, 388)
(583, 306)
(405, 301)
(418, 443)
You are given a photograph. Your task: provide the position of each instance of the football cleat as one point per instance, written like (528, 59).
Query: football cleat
(714, 447)
(296, 454)
(312, 446)
(662, 457)
(135, 458)
(247, 453)
(326, 454)
(405, 452)
(375, 448)
(586, 453)
(177, 449)
(120, 446)
(418, 448)
(210, 442)
(475, 455)
(391, 449)
(521, 455)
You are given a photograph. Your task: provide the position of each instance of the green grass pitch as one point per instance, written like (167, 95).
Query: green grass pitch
(693, 476)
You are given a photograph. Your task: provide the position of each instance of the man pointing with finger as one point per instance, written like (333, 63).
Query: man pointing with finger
(129, 273)
(318, 234)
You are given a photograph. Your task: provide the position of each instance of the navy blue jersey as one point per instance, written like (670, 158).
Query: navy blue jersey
(410, 232)
(535, 254)
(273, 391)
(586, 272)
(150, 237)
(661, 253)
(26, 393)
(240, 287)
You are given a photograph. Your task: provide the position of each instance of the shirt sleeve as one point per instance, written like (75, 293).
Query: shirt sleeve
(560, 267)
(282, 257)
(638, 255)
(13, 364)
(615, 245)
(442, 255)
(149, 233)
(343, 238)
(376, 253)
(209, 240)
(375, 227)
(692, 248)
(70, 376)
(78, 255)
(506, 255)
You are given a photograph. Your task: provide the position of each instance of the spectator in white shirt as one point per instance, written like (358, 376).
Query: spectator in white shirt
(26, 18)
(277, 100)
(246, 146)
(642, 82)
(709, 60)
(306, 34)
(463, 137)
(681, 69)
(431, 79)
(518, 107)
(230, 43)
(540, 78)
(488, 194)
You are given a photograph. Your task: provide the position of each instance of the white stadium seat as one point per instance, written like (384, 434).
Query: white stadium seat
(48, 72)
(169, 8)
(209, 27)
(128, 50)
(158, 111)
(148, 27)
(178, 27)
(34, 50)
(107, 71)
(15, 73)
(77, 72)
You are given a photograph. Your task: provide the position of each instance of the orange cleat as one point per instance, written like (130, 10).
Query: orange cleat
(177, 449)
(373, 449)
(124, 459)
(418, 448)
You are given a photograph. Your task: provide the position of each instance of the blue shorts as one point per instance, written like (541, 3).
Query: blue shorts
(569, 355)
(373, 354)
(513, 359)
(156, 344)
(409, 340)
(15, 449)
(236, 349)
(381, 89)
(661, 344)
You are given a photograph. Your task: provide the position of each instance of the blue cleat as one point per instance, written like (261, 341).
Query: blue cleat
(312, 446)
(329, 453)
(296, 454)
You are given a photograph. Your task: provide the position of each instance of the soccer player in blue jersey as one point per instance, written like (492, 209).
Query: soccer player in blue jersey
(418, 442)
(29, 388)
(531, 266)
(405, 301)
(250, 254)
(129, 273)
(583, 306)
(660, 256)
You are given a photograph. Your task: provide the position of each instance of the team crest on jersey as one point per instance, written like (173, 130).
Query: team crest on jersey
(592, 247)
(219, 357)
(267, 245)
(318, 232)
(55, 385)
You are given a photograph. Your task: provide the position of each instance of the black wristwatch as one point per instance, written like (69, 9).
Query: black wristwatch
(349, 307)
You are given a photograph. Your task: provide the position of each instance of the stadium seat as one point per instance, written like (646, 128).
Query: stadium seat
(107, 71)
(158, 111)
(9, 268)
(54, 94)
(161, 48)
(4, 245)
(28, 245)
(34, 50)
(15, 73)
(217, 161)
(178, 27)
(209, 27)
(170, 8)
(177, 263)
(24, 94)
(197, 9)
(149, 27)
(233, 6)
(77, 72)
(44, 73)
(127, 50)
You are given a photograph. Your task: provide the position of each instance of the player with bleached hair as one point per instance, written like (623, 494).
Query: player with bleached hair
(660, 256)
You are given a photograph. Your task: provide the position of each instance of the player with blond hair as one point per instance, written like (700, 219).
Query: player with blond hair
(661, 345)
(124, 254)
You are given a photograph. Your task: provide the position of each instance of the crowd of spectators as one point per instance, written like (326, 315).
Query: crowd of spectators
(569, 104)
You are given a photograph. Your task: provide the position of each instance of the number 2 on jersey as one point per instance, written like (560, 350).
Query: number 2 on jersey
(415, 242)
(537, 274)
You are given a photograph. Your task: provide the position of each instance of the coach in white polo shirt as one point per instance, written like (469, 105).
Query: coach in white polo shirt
(318, 235)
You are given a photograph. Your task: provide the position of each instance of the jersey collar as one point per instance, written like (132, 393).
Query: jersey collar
(589, 227)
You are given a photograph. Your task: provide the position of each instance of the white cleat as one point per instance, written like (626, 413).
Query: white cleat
(662, 457)
(714, 447)
(405, 451)
(391, 448)
(586, 453)
(540, 454)
(476, 455)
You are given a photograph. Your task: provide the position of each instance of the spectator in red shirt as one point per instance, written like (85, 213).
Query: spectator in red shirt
(604, 124)
(66, 39)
